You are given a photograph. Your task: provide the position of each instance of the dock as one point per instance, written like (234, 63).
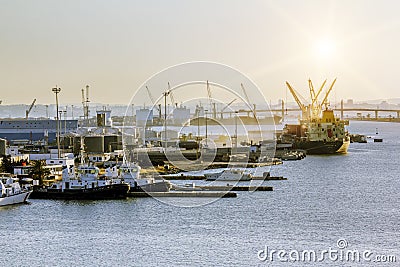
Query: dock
(209, 194)
(236, 188)
(202, 177)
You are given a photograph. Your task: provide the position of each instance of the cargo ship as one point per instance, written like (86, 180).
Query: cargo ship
(326, 135)
(319, 131)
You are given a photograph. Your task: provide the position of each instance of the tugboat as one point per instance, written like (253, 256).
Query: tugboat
(87, 184)
(319, 131)
(130, 173)
(11, 191)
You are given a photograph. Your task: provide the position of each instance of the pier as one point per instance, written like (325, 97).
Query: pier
(209, 194)
(202, 177)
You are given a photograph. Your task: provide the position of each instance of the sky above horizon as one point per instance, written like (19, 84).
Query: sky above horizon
(115, 46)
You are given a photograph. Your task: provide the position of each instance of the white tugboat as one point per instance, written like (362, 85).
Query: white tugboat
(11, 191)
(85, 184)
(130, 173)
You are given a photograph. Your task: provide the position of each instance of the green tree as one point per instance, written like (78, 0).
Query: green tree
(6, 164)
(39, 172)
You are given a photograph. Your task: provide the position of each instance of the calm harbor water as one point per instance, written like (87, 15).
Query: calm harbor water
(355, 197)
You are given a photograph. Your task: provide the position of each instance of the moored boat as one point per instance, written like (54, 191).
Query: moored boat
(130, 173)
(11, 191)
(86, 184)
(228, 175)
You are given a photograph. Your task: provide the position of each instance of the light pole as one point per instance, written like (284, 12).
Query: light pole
(236, 130)
(166, 93)
(57, 90)
(205, 113)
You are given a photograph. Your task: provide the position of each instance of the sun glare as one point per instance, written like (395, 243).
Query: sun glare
(325, 49)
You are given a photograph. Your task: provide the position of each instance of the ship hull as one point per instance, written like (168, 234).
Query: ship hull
(15, 199)
(319, 147)
(115, 191)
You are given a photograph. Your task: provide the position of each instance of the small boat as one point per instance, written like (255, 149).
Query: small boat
(228, 175)
(293, 155)
(130, 173)
(11, 191)
(186, 187)
(86, 184)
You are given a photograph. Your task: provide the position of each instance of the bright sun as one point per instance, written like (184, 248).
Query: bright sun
(325, 49)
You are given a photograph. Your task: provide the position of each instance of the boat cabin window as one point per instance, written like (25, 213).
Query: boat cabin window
(128, 170)
(88, 171)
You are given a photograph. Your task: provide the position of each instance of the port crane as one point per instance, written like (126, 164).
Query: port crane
(212, 103)
(30, 108)
(315, 106)
(303, 107)
(253, 109)
(153, 102)
(312, 110)
(228, 105)
(171, 96)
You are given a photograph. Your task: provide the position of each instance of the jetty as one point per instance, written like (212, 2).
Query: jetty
(209, 194)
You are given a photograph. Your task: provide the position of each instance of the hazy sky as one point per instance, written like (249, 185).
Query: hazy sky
(114, 46)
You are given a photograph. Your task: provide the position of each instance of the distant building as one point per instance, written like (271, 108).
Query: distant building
(384, 105)
(350, 102)
(144, 116)
(181, 115)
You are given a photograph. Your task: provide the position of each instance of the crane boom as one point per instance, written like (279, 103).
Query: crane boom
(230, 103)
(30, 108)
(212, 104)
(171, 96)
(318, 93)
(312, 92)
(248, 100)
(150, 95)
(296, 98)
(324, 102)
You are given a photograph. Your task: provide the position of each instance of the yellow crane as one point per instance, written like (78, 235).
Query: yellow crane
(313, 110)
(325, 101)
(303, 107)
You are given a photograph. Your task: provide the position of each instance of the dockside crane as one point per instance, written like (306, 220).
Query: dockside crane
(315, 106)
(29, 109)
(223, 109)
(313, 110)
(212, 103)
(303, 107)
(325, 100)
(153, 102)
(252, 108)
(171, 96)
